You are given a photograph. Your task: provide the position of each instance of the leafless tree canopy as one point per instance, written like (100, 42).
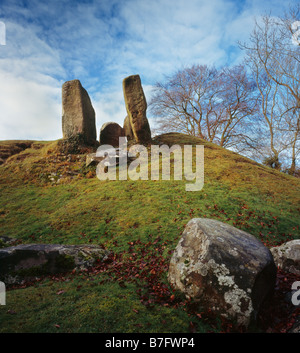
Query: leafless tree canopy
(253, 108)
(273, 56)
(205, 102)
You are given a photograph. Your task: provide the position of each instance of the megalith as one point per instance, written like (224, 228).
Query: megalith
(127, 129)
(78, 115)
(110, 133)
(136, 106)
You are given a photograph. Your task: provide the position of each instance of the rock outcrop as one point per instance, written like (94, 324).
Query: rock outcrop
(287, 256)
(78, 117)
(136, 106)
(110, 133)
(225, 269)
(28, 261)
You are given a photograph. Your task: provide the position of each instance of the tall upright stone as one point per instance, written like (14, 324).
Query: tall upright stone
(136, 107)
(78, 115)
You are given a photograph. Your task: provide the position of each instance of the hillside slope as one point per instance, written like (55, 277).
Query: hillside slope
(47, 196)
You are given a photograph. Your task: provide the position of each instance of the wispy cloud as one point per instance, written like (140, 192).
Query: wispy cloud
(102, 42)
(29, 110)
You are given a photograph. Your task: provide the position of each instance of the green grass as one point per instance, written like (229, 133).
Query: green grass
(84, 305)
(82, 209)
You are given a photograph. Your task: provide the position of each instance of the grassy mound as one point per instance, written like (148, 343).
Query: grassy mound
(49, 196)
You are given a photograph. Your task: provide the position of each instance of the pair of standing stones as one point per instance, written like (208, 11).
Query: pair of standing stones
(78, 116)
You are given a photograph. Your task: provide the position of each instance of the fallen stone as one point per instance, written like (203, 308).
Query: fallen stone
(78, 116)
(287, 256)
(223, 268)
(110, 133)
(92, 159)
(136, 106)
(28, 261)
(112, 157)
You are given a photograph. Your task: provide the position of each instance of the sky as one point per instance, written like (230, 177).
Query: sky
(100, 42)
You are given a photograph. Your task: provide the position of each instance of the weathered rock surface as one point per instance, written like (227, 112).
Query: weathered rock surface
(112, 157)
(224, 268)
(110, 133)
(78, 113)
(136, 106)
(27, 261)
(127, 129)
(92, 159)
(287, 256)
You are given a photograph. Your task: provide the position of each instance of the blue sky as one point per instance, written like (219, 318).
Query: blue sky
(100, 42)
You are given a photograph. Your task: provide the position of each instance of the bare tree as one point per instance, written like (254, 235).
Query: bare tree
(186, 100)
(290, 128)
(238, 100)
(205, 102)
(274, 60)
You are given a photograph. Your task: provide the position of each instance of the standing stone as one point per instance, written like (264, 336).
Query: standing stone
(78, 115)
(127, 129)
(110, 133)
(227, 270)
(136, 107)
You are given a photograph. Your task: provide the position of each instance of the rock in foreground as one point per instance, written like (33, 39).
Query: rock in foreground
(225, 269)
(287, 256)
(27, 261)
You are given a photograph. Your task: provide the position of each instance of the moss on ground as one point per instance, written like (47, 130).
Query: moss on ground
(78, 209)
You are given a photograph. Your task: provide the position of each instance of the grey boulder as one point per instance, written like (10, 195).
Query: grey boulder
(223, 268)
(27, 261)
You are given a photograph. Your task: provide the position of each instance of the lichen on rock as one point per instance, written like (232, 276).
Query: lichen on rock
(223, 268)
(26, 261)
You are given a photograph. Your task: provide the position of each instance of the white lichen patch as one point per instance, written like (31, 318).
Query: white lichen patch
(217, 264)
(233, 252)
(241, 304)
(238, 299)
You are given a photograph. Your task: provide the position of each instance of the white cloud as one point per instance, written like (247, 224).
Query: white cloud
(100, 43)
(29, 92)
(29, 110)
